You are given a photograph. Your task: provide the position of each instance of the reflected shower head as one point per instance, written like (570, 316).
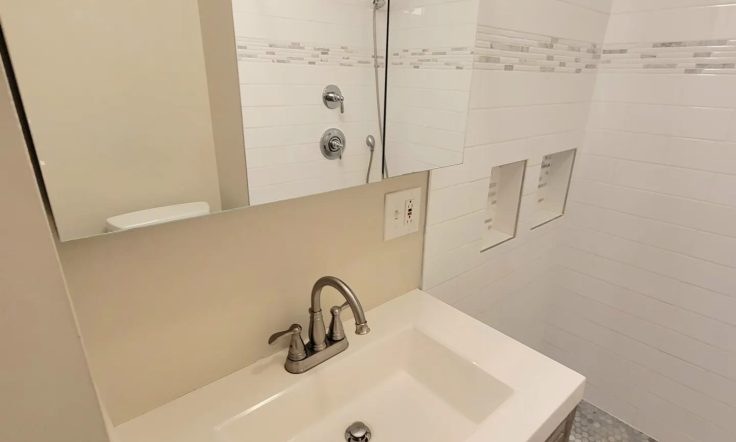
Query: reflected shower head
(378, 4)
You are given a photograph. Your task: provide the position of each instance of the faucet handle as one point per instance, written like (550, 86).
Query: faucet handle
(337, 332)
(297, 352)
(332, 98)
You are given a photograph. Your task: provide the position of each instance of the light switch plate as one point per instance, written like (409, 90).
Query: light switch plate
(402, 212)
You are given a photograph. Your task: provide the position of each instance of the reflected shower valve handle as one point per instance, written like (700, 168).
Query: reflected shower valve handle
(333, 144)
(335, 100)
(332, 98)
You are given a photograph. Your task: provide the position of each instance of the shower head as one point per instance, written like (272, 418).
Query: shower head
(378, 4)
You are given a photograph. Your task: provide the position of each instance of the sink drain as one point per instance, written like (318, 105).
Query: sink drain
(358, 432)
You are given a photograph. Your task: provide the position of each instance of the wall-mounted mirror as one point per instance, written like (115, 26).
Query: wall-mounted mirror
(143, 112)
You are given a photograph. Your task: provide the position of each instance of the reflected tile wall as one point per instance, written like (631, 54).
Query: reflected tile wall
(430, 62)
(287, 53)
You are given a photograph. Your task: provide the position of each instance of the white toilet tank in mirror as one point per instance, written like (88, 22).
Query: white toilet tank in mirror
(157, 215)
(143, 105)
(426, 372)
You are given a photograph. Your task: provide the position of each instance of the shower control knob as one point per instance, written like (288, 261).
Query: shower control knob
(332, 98)
(333, 144)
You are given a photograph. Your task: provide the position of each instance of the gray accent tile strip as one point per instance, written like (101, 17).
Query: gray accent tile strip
(257, 50)
(672, 57)
(432, 58)
(503, 49)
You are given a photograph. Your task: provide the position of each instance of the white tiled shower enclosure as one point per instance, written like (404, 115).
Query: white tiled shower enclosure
(635, 286)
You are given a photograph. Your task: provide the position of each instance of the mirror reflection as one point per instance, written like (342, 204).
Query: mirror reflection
(306, 68)
(147, 112)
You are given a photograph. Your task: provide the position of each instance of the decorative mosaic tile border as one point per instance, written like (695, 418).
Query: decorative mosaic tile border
(680, 57)
(495, 48)
(432, 58)
(502, 49)
(257, 50)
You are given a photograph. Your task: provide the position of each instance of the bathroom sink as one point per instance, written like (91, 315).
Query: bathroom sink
(426, 372)
(405, 387)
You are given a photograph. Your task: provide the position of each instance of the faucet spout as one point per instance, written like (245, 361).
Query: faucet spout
(322, 347)
(317, 327)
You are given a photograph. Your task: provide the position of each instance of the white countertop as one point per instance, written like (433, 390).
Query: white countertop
(543, 392)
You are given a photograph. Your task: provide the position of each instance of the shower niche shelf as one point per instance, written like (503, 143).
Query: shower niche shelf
(504, 200)
(553, 186)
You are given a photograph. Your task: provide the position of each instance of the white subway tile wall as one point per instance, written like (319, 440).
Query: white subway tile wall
(530, 94)
(635, 286)
(287, 53)
(429, 70)
(650, 256)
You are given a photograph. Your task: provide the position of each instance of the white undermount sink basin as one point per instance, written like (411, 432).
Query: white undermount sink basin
(425, 373)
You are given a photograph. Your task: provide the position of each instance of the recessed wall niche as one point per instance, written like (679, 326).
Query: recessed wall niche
(554, 185)
(502, 208)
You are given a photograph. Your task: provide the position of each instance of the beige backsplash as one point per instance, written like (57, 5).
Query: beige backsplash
(170, 308)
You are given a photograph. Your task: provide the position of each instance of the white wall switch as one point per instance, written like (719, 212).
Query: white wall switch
(402, 212)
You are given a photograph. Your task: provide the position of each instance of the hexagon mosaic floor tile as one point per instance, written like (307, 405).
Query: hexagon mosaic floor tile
(595, 425)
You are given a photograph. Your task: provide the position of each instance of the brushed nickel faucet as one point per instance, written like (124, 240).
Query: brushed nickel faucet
(323, 344)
